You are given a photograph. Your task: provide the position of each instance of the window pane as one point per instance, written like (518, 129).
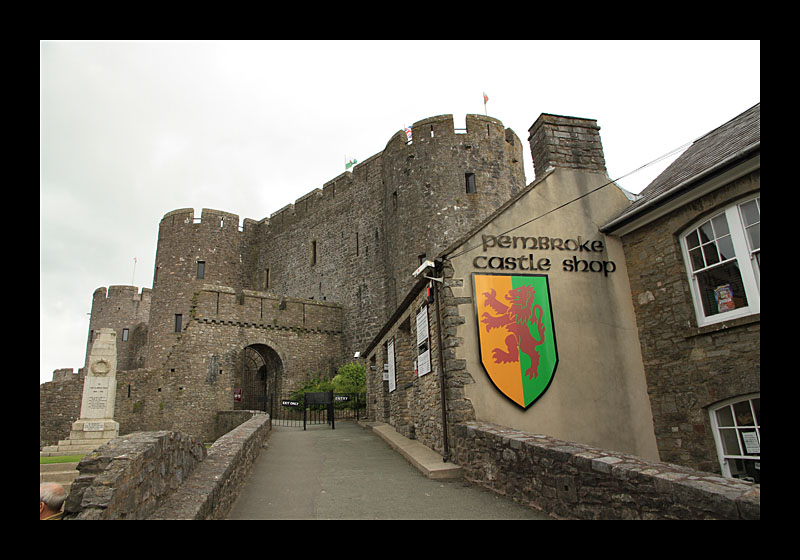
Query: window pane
(757, 409)
(721, 289)
(706, 233)
(744, 417)
(725, 417)
(697, 259)
(692, 240)
(720, 225)
(750, 443)
(754, 236)
(725, 248)
(710, 252)
(750, 213)
(730, 441)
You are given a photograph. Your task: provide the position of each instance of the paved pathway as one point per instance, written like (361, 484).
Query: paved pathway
(351, 473)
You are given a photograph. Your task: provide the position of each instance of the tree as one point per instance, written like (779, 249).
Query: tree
(351, 378)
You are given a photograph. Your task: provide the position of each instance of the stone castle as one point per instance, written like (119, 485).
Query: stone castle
(237, 313)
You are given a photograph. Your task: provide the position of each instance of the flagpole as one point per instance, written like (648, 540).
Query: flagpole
(134, 271)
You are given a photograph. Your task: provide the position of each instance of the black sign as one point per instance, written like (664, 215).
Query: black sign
(319, 398)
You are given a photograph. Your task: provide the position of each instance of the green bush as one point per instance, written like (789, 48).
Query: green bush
(350, 378)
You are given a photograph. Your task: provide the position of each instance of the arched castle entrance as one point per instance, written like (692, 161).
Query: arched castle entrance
(260, 378)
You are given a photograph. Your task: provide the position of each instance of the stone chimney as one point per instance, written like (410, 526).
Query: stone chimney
(570, 142)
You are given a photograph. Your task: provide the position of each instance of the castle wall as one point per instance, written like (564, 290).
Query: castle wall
(205, 365)
(357, 240)
(59, 405)
(350, 246)
(330, 246)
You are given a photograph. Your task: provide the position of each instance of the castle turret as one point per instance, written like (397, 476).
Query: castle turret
(126, 310)
(191, 252)
(441, 184)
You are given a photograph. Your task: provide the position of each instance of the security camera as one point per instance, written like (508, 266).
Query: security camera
(422, 268)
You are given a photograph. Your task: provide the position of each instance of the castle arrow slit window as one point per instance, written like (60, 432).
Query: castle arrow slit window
(201, 270)
(178, 322)
(470, 179)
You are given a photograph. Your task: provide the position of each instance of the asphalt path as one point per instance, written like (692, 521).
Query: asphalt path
(351, 473)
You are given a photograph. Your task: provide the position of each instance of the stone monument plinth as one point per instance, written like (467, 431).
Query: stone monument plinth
(96, 425)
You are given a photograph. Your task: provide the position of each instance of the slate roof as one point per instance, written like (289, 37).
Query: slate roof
(737, 138)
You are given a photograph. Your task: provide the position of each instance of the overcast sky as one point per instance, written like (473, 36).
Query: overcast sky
(132, 130)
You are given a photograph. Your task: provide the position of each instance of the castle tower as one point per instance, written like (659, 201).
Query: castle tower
(355, 242)
(441, 184)
(126, 310)
(191, 252)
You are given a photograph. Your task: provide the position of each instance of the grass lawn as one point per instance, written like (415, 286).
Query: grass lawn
(60, 459)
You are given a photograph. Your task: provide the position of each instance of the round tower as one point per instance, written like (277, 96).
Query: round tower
(441, 184)
(126, 310)
(191, 252)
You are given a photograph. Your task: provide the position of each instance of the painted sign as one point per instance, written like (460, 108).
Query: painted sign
(516, 335)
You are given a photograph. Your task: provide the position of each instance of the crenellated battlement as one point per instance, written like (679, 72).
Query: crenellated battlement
(122, 293)
(429, 131)
(208, 218)
(442, 128)
(353, 240)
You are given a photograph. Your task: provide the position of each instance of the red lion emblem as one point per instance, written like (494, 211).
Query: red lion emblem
(515, 318)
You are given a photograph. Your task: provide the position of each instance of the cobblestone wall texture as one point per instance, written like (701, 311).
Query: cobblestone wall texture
(575, 481)
(131, 475)
(209, 492)
(59, 405)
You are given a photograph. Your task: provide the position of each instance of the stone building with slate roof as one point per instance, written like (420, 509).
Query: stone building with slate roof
(692, 245)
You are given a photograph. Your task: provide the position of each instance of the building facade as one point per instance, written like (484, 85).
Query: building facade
(693, 247)
(566, 307)
(642, 327)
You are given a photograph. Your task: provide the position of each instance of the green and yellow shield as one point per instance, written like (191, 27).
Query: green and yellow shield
(516, 336)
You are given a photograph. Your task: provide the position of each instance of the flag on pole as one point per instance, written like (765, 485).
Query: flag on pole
(485, 97)
(350, 163)
(408, 132)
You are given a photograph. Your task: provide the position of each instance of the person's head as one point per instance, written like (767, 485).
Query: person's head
(51, 498)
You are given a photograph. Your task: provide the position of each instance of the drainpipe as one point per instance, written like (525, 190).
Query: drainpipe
(440, 278)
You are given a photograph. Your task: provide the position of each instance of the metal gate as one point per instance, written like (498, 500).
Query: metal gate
(317, 408)
(260, 379)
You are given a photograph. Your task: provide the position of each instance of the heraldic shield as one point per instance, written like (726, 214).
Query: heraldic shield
(516, 333)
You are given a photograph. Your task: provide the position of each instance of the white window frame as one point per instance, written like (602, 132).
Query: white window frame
(743, 256)
(725, 458)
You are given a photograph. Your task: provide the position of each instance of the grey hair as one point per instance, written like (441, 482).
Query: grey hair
(52, 495)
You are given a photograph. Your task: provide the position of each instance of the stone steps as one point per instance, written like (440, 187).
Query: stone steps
(72, 447)
(62, 473)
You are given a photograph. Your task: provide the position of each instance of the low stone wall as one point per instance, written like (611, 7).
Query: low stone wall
(131, 475)
(214, 485)
(575, 481)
